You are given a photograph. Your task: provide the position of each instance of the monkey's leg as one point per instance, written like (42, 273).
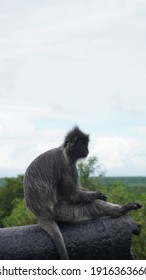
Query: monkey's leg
(53, 230)
(114, 210)
(98, 208)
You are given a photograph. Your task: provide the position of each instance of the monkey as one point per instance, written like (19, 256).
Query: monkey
(53, 192)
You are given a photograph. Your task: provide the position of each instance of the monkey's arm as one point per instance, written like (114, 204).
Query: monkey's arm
(76, 195)
(99, 194)
(82, 196)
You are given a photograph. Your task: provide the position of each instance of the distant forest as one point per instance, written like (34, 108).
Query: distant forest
(127, 180)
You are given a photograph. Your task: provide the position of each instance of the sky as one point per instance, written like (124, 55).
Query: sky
(69, 62)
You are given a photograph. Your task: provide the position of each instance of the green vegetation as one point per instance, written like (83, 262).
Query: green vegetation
(2, 182)
(13, 211)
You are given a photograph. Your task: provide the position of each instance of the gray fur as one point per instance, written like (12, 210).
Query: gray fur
(53, 192)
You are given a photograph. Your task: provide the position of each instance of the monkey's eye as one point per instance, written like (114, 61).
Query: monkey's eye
(83, 142)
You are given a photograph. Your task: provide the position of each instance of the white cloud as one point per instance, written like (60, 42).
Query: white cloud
(140, 130)
(121, 155)
(11, 125)
(7, 156)
(73, 62)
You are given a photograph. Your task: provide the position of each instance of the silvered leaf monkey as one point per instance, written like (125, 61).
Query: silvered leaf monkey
(53, 191)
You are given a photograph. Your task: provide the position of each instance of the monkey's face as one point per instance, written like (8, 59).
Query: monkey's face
(76, 144)
(80, 149)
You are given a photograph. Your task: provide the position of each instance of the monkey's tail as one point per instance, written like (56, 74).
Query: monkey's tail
(53, 230)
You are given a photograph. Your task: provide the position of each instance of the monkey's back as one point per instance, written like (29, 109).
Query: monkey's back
(45, 166)
(41, 180)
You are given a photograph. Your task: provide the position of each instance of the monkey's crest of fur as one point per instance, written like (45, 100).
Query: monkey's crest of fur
(73, 135)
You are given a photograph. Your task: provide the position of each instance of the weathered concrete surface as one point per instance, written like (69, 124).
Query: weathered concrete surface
(101, 239)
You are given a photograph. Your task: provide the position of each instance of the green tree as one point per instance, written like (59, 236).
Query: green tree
(20, 215)
(11, 189)
(90, 173)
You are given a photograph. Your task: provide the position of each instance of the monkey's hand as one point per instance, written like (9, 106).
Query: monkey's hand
(101, 196)
(98, 195)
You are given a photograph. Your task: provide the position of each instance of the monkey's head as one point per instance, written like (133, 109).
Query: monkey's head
(76, 144)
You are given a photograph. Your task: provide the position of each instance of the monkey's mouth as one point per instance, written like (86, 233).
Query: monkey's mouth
(85, 154)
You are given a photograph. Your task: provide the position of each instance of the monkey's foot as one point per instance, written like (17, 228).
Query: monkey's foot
(101, 196)
(132, 206)
(136, 206)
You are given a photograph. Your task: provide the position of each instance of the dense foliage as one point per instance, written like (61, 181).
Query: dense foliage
(12, 206)
(13, 211)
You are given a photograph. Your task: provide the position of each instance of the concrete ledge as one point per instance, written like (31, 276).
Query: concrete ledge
(101, 239)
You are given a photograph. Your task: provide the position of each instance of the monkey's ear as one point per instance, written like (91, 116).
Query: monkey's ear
(68, 144)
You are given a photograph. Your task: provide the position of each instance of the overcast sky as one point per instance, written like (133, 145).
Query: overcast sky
(73, 62)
